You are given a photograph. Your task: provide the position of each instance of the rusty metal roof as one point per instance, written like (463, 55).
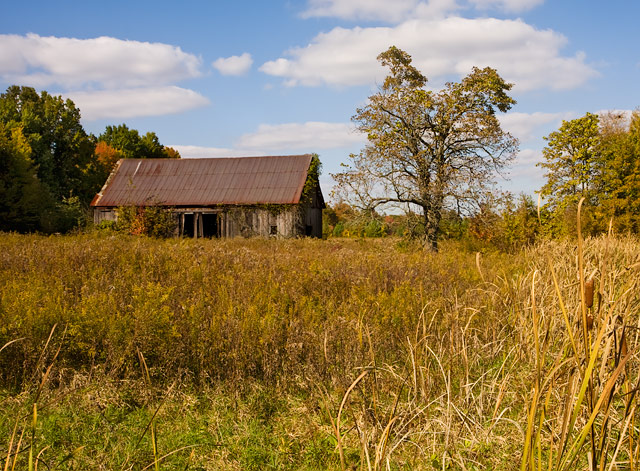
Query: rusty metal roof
(205, 182)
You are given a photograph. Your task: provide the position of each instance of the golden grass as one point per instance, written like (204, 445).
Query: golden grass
(582, 412)
(403, 359)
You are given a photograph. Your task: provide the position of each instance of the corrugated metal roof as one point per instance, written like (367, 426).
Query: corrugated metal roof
(204, 182)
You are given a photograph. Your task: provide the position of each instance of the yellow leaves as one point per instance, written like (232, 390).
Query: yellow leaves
(416, 137)
(13, 141)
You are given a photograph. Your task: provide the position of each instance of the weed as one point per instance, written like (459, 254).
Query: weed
(459, 359)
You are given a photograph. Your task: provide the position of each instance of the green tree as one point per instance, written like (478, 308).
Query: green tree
(572, 161)
(151, 148)
(598, 158)
(520, 226)
(51, 168)
(428, 149)
(620, 172)
(126, 141)
(374, 228)
(171, 153)
(24, 203)
(131, 145)
(61, 150)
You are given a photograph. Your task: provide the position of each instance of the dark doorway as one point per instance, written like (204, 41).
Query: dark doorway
(187, 227)
(210, 225)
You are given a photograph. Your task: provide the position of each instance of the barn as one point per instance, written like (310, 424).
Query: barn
(274, 196)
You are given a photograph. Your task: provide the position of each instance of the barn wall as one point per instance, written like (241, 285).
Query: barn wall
(280, 221)
(102, 214)
(259, 222)
(313, 220)
(290, 223)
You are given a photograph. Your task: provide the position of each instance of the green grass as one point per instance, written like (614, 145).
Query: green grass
(97, 427)
(252, 345)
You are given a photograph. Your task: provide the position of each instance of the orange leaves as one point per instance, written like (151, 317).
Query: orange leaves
(107, 155)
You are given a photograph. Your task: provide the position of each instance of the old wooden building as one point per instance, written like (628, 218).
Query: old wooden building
(276, 196)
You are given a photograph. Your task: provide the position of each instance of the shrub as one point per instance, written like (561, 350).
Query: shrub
(374, 229)
(338, 230)
(152, 221)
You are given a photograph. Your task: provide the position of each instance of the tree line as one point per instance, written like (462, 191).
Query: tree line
(502, 221)
(595, 157)
(50, 167)
(431, 154)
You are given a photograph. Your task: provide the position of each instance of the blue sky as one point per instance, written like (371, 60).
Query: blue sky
(224, 78)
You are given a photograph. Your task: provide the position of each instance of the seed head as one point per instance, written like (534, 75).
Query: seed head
(588, 293)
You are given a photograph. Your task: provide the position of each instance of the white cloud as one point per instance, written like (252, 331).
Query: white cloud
(507, 5)
(283, 138)
(525, 165)
(307, 137)
(234, 65)
(523, 125)
(434, 9)
(361, 9)
(440, 48)
(135, 102)
(400, 10)
(105, 77)
(528, 157)
(107, 62)
(198, 152)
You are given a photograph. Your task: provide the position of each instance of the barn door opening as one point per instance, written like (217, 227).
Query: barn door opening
(198, 224)
(187, 225)
(210, 225)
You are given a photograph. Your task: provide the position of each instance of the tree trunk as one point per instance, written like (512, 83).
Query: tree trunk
(432, 215)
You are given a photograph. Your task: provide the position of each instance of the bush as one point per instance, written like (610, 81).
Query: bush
(374, 229)
(106, 226)
(72, 214)
(152, 221)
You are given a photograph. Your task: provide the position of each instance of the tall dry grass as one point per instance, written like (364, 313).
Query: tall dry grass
(274, 311)
(582, 408)
(375, 356)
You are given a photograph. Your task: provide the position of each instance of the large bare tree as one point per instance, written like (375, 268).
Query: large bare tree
(428, 149)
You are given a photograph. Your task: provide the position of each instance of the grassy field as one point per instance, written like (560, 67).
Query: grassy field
(132, 353)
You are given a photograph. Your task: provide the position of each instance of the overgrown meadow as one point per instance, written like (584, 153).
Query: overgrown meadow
(121, 352)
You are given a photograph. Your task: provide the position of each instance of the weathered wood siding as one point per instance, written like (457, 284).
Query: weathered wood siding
(258, 222)
(233, 221)
(104, 214)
